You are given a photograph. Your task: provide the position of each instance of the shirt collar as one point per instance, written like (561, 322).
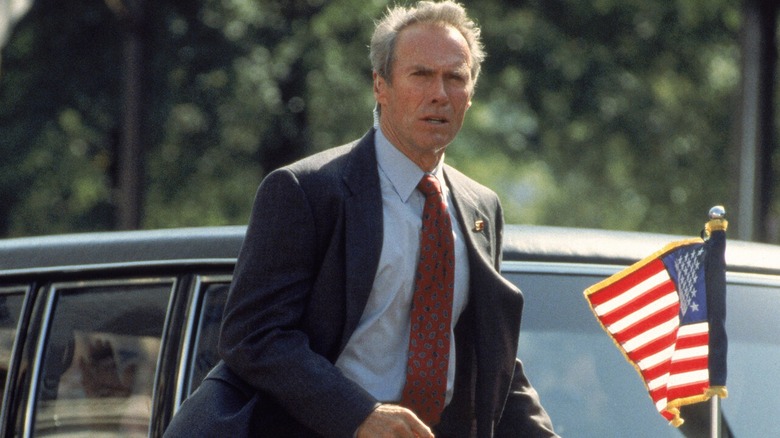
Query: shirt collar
(403, 174)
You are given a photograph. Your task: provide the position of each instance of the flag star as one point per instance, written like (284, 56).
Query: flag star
(695, 307)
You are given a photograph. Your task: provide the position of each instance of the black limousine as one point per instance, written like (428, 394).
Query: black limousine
(104, 334)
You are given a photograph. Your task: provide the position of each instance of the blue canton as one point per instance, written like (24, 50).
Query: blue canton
(686, 267)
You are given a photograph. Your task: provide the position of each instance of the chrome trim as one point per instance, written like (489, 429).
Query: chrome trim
(69, 269)
(32, 395)
(517, 267)
(751, 279)
(561, 268)
(191, 334)
(186, 350)
(52, 292)
(163, 338)
(12, 290)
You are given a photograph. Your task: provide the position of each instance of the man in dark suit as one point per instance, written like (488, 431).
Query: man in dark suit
(316, 332)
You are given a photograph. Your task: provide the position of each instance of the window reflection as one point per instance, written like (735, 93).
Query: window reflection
(205, 354)
(11, 301)
(100, 356)
(590, 390)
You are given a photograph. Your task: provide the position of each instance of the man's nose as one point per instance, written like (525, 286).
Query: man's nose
(438, 90)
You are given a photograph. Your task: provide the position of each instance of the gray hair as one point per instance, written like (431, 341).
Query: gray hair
(447, 12)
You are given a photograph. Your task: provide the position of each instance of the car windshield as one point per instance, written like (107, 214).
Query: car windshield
(589, 388)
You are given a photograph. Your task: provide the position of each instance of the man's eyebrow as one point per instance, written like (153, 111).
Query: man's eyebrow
(420, 67)
(460, 68)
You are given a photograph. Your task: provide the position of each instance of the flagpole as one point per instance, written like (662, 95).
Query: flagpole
(717, 221)
(715, 417)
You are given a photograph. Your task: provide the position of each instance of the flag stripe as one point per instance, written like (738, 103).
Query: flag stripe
(692, 341)
(688, 365)
(657, 383)
(607, 301)
(652, 361)
(662, 293)
(687, 378)
(636, 323)
(657, 376)
(625, 283)
(656, 346)
(691, 353)
(648, 336)
(694, 329)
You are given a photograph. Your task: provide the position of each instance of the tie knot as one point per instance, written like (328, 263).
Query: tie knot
(429, 185)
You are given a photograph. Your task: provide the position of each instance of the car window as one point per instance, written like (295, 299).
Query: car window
(11, 301)
(753, 330)
(589, 388)
(99, 355)
(204, 354)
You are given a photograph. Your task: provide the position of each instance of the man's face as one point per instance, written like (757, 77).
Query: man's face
(424, 104)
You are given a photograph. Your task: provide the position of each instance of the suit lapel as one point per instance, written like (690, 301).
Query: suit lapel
(474, 222)
(496, 304)
(362, 228)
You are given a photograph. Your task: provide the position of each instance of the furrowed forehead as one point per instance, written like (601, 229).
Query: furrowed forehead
(429, 46)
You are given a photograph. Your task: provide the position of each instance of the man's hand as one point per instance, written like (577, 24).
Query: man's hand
(392, 421)
(100, 375)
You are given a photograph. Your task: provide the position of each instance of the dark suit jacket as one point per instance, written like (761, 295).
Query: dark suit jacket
(302, 280)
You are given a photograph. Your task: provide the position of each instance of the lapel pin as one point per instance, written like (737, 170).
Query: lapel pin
(479, 225)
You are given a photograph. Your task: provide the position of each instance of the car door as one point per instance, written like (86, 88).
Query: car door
(94, 360)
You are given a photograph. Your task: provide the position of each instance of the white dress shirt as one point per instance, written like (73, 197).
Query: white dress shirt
(376, 354)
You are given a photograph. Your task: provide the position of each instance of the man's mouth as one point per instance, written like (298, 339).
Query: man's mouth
(436, 120)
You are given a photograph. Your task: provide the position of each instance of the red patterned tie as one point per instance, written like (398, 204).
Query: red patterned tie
(431, 314)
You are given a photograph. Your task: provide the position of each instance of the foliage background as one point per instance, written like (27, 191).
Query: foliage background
(601, 113)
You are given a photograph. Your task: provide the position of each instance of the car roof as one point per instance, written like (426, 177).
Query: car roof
(209, 244)
(201, 244)
(582, 245)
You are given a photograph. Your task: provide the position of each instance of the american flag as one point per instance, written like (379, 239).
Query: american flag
(666, 315)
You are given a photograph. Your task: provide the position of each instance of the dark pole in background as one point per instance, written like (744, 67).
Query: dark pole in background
(130, 163)
(756, 139)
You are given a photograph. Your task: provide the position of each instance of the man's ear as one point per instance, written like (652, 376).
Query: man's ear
(376, 79)
(380, 85)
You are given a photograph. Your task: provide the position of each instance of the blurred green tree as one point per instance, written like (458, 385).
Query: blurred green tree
(608, 114)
